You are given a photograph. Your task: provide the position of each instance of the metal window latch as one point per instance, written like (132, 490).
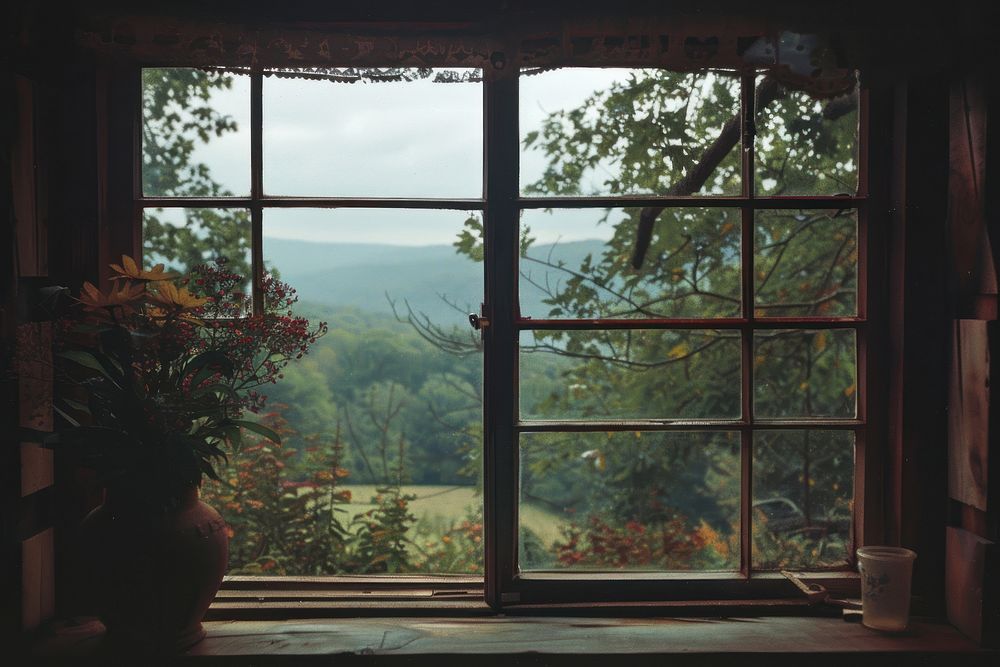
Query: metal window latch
(817, 594)
(479, 322)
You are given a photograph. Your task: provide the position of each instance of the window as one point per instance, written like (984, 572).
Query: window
(672, 349)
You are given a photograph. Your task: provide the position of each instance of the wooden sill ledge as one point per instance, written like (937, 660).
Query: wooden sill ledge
(569, 641)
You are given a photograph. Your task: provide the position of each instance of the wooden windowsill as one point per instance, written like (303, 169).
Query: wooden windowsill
(277, 598)
(561, 640)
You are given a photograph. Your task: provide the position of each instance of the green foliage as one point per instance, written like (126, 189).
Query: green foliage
(281, 526)
(382, 532)
(648, 132)
(284, 523)
(177, 117)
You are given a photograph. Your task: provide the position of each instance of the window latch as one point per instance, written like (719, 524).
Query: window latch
(479, 322)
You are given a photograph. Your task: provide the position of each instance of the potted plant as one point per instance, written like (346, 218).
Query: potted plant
(159, 370)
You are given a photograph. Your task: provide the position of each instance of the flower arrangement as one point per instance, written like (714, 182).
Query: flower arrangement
(165, 366)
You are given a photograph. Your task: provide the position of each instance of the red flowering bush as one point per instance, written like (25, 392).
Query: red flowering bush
(283, 524)
(259, 346)
(608, 543)
(455, 548)
(278, 525)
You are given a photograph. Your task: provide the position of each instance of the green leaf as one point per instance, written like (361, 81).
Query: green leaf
(216, 389)
(258, 429)
(207, 364)
(87, 360)
(75, 405)
(208, 469)
(62, 413)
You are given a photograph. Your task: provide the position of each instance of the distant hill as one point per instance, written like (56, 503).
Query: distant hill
(426, 277)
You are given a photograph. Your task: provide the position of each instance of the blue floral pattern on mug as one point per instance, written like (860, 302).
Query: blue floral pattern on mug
(874, 586)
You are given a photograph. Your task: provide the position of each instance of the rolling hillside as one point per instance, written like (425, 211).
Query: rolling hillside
(426, 277)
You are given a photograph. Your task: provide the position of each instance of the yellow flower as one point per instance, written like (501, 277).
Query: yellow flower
(129, 269)
(160, 315)
(123, 297)
(176, 297)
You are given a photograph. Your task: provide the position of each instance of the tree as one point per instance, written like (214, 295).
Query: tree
(177, 116)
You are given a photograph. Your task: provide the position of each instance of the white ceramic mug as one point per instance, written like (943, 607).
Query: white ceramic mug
(885, 586)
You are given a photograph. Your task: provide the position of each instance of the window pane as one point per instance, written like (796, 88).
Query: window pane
(195, 133)
(803, 495)
(635, 501)
(805, 146)
(183, 238)
(806, 263)
(629, 374)
(589, 131)
(378, 261)
(408, 136)
(379, 466)
(800, 373)
(579, 264)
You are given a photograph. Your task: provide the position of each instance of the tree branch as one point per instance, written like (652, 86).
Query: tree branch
(767, 92)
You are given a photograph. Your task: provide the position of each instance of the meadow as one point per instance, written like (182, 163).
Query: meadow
(436, 507)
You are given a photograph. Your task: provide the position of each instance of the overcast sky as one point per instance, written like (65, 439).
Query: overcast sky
(400, 139)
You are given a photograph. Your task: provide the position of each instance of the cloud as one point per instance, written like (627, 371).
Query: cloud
(399, 139)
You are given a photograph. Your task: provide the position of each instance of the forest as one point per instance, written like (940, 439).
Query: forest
(379, 466)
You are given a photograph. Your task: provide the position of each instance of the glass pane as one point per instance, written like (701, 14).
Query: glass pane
(625, 374)
(579, 264)
(802, 498)
(195, 133)
(379, 466)
(404, 136)
(806, 263)
(805, 146)
(380, 261)
(629, 501)
(590, 131)
(183, 238)
(800, 373)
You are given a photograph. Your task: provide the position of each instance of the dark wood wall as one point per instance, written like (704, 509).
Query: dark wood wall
(972, 573)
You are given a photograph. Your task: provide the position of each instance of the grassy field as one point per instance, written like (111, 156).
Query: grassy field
(437, 507)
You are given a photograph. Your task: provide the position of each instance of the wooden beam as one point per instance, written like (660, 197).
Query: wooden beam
(974, 276)
(38, 579)
(919, 331)
(34, 377)
(10, 477)
(972, 586)
(969, 427)
(30, 241)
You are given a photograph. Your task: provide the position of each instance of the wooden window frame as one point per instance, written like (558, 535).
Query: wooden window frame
(505, 585)
(500, 204)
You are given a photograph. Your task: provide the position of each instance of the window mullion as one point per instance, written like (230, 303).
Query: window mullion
(747, 90)
(257, 188)
(501, 150)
